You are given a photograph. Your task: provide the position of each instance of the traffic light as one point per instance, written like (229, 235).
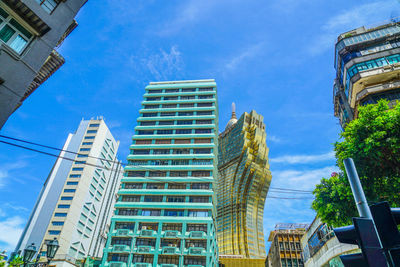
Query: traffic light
(386, 221)
(363, 234)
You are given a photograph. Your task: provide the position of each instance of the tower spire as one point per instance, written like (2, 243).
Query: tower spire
(233, 111)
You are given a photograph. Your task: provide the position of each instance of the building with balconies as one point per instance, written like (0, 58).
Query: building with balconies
(243, 181)
(367, 63)
(285, 249)
(165, 214)
(29, 32)
(76, 202)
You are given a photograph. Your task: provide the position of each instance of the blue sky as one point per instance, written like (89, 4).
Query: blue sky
(272, 56)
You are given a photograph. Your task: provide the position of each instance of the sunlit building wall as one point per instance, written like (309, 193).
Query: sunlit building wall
(243, 182)
(164, 212)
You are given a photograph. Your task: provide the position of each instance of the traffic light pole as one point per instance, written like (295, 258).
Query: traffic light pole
(356, 188)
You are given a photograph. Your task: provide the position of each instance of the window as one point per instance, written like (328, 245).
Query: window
(177, 186)
(175, 199)
(188, 105)
(155, 91)
(197, 227)
(163, 141)
(161, 151)
(59, 214)
(200, 105)
(166, 123)
(66, 198)
(205, 96)
(173, 213)
(69, 190)
(171, 90)
(63, 206)
(147, 123)
(72, 183)
(84, 149)
(89, 137)
(202, 141)
(12, 33)
(167, 114)
(140, 151)
(56, 223)
(158, 162)
(202, 131)
(201, 173)
(145, 132)
(80, 162)
(153, 98)
(203, 122)
(153, 198)
(182, 141)
(155, 186)
(47, 5)
(137, 162)
(91, 131)
(189, 90)
(181, 151)
(206, 89)
(151, 212)
(147, 115)
(93, 124)
(184, 122)
(87, 143)
(202, 151)
(180, 162)
(201, 162)
(74, 176)
(77, 169)
(170, 98)
(82, 155)
(187, 97)
(199, 199)
(53, 232)
(185, 113)
(183, 131)
(157, 174)
(128, 212)
(164, 131)
(178, 174)
(169, 105)
(143, 142)
(135, 173)
(121, 241)
(124, 225)
(133, 186)
(151, 106)
(202, 113)
(200, 186)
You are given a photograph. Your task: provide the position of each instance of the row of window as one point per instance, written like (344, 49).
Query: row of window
(170, 162)
(174, 151)
(169, 186)
(158, 212)
(162, 259)
(178, 131)
(169, 173)
(177, 90)
(182, 122)
(173, 114)
(182, 97)
(164, 242)
(151, 198)
(183, 105)
(165, 226)
(175, 141)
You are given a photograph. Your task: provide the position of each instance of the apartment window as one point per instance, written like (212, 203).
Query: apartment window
(183, 131)
(69, 190)
(202, 131)
(175, 199)
(135, 173)
(92, 124)
(153, 198)
(89, 137)
(72, 183)
(182, 141)
(167, 114)
(203, 122)
(60, 214)
(161, 151)
(174, 213)
(137, 162)
(184, 122)
(202, 151)
(124, 225)
(55, 223)
(172, 227)
(170, 98)
(82, 155)
(53, 232)
(143, 142)
(147, 123)
(153, 98)
(187, 97)
(169, 105)
(200, 173)
(84, 149)
(77, 169)
(202, 141)
(154, 91)
(158, 162)
(186, 105)
(202, 105)
(121, 241)
(199, 199)
(200, 186)
(206, 89)
(151, 106)
(128, 212)
(181, 151)
(145, 132)
(163, 141)
(171, 90)
(67, 198)
(178, 174)
(180, 162)
(166, 123)
(87, 143)
(80, 162)
(203, 113)
(133, 186)
(157, 174)
(12, 33)
(164, 131)
(205, 96)
(151, 212)
(147, 115)
(155, 186)
(197, 227)
(145, 242)
(118, 257)
(177, 186)
(91, 131)
(185, 113)
(61, 206)
(201, 162)
(140, 151)
(196, 243)
(189, 90)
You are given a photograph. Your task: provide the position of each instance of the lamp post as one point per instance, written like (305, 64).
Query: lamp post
(52, 248)
(29, 252)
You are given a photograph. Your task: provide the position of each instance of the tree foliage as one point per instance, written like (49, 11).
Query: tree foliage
(16, 261)
(373, 141)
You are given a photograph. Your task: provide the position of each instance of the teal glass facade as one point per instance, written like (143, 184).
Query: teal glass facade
(164, 214)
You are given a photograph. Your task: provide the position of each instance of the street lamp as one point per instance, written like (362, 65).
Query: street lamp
(52, 248)
(29, 252)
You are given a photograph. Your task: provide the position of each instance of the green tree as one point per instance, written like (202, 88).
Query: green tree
(17, 261)
(2, 262)
(373, 141)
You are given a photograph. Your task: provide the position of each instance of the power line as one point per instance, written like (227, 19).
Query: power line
(141, 167)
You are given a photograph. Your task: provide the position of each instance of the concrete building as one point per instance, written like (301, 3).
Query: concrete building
(75, 204)
(321, 248)
(165, 214)
(367, 63)
(29, 32)
(285, 250)
(243, 181)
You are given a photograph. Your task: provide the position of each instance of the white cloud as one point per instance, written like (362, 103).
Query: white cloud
(292, 159)
(5, 170)
(247, 53)
(10, 229)
(349, 19)
(274, 139)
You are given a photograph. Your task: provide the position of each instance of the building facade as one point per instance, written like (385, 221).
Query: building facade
(285, 250)
(29, 32)
(164, 213)
(321, 248)
(367, 63)
(243, 181)
(75, 203)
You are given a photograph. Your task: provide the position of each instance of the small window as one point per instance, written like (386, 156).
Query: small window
(178, 174)
(154, 91)
(63, 206)
(12, 33)
(94, 125)
(66, 198)
(174, 213)
(188, 105)
(171, 90)
(147, 115)
(80, 162)
(167, 114)
(187, 97)
(182, 141)
(185, 113)
(133, 186)
(77, 169)
(91, 131)
(145, 132)
(169, 105)
(147, 123)
(206, 89)
(184, 122)
(143, 142)
(151, 106)
(203, 122)
(53, 232)
(202, 151)
(74, 176)
(56, 223)
(155, 186)
(60, 214)
(153, 98)
(202, 141)
(202, 131)
(183, 131)
(189, 90)
(166, 123)
(87, 143)
(170, 98)
(163, 141)
(69, 190)
(200, 105)
(72, 183)
(89, 137)
(204, 113)
(164, 131)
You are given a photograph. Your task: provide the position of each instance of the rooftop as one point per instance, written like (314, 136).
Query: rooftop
(184, 81)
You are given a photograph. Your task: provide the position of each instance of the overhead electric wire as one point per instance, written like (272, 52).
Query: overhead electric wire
(274, 189)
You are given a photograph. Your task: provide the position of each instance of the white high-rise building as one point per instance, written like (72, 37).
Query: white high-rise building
(76, 202)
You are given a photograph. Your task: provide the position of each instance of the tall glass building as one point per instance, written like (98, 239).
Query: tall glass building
(367, 63)
(243, 182)
(164, 214)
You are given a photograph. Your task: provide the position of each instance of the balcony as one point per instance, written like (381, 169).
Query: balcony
(122, 232)
(144, 249)
(121, 248)
(197, 251)
(170, 250)
(148, 233)
(197, 234)
(171, 233)
(116, 264)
